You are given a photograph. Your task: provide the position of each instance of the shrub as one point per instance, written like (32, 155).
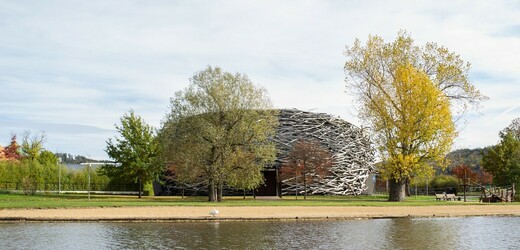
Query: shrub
(444, 181)
(419, 182)
(29, 185)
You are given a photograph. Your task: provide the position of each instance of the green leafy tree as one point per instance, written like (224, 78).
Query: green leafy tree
(248, 176)
(136, 150)
(32, 145)
(503, 160)
(31, 176)
(48, 158)
(32, 173)
(513, 128)
(49, 163)
(405, 92)
(9, 172)
(220, 125)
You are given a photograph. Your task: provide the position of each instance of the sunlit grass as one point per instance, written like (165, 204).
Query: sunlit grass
(81, 200)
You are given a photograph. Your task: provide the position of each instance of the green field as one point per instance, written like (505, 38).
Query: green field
(81, 200)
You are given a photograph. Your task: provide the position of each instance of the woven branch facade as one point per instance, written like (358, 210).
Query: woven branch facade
(350, 148)
(351, 151)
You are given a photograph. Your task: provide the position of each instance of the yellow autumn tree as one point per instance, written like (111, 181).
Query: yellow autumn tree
(408, 94)
(413, 126)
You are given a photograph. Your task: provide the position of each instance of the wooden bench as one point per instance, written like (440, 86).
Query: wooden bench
(452, 197)
(446, 197)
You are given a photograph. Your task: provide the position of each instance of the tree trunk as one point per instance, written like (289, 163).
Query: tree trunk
(211, 192)
(219, 192)
(140, 186)
(296, 182)
(304, 185)
(407, 187)
(182, 192)
(397, 190)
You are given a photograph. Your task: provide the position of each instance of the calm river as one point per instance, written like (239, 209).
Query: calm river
(439, 233)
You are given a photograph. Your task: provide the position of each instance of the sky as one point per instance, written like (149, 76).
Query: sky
(72, 68)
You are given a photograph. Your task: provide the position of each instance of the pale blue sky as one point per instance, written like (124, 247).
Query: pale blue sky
(72, 68)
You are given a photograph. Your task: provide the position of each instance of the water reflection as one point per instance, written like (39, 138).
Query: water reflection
(445, 233)
(422, 233)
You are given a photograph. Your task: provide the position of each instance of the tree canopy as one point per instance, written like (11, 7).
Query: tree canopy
(308, 162)
(406, 93)
(220, 125)
(377, 61)
(12, 151)
(503, 159)
(136, 150)
(513, 128)
(32, 145)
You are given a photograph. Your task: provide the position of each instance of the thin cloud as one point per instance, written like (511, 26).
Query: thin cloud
(87, 63)
(508, 111)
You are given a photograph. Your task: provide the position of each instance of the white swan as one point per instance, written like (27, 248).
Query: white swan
(214, 212)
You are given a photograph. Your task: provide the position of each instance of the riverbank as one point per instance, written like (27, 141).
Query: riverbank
(192, 213)
(46, 201)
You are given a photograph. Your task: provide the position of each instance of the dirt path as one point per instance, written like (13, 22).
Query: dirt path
(250, 213)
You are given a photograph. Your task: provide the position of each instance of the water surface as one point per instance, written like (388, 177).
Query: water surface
(427, 233)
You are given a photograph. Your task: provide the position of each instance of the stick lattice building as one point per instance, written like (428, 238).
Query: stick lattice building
(350, 148)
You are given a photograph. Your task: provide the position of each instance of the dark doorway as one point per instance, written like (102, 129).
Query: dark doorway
(270, 186)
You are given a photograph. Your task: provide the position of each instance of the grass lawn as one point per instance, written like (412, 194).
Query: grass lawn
(81, 200)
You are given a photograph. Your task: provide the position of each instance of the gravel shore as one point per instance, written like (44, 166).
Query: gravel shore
(184, 213)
